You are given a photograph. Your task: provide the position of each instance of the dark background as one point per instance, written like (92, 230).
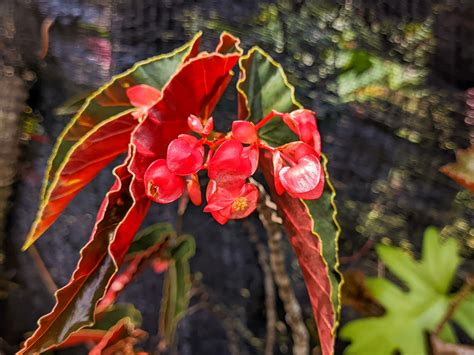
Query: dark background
(389, 81)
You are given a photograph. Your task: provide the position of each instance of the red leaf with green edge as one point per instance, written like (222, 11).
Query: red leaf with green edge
(463, 170)
(195, 89)
(105, 320)
(176, 288)
(118, 220)
(148, 245)
(126, 203)
(120, 339)
(98, 133)
(311, 225)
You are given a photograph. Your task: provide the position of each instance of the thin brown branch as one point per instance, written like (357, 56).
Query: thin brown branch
(458, 298)
(270, 297)
(43, 270)
(294, 317)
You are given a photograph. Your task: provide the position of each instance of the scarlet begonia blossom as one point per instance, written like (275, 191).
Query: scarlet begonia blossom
(195, 125)
(185, 155)
(234, 203)
(302, 176)
(162, 185)
(303, 123)
(230, 166)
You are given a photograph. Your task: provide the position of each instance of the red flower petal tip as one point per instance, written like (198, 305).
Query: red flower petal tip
(303, 123)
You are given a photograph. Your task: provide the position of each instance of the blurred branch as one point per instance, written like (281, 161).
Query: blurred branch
(43, 270)
(270, 298)
(267, 214)
(458, 298)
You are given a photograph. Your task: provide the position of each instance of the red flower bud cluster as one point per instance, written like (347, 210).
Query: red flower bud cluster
(232, 159)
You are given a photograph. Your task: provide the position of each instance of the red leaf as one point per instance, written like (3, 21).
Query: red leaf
(117, 222)
(463, 170)
(95, 151)
(98, 133)
(307, 247)
(194, 90)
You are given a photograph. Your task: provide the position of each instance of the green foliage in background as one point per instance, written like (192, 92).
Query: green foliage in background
(410, 314)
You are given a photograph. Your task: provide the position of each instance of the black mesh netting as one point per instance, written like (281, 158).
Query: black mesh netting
(389, 80)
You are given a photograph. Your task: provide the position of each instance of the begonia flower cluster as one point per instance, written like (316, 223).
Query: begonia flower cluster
(231, 159)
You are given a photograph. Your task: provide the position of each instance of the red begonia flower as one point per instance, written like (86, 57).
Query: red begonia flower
(195, 125)
(244, 132)
(194, 189)
(185, 155)
(224, 204)
(304, 178)
(228, 166)
(162, 185)
(251, 153)
(143, 96)
(303, 123)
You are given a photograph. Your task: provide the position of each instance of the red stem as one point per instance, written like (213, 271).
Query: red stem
(267, 118)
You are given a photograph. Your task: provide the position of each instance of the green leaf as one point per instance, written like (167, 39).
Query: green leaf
(149, 237)
(410, 314)
(113, 314)
(176, 288)
(311, 225)
(263, 87)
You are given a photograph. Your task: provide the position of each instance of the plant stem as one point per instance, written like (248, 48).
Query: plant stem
(458, 298)
(267, 118)
(294, 316)
(270, 297)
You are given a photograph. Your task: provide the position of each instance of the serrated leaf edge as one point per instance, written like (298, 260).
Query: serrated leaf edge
(279, 67)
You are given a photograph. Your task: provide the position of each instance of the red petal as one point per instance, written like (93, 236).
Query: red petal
(194, 189)
(244, 132)
(277, 165)
(228, 165)
(302, 178)
(194, 124)
(248, 196)
(251, 153)
(303, 123)
(297, 150)
(185, 155)
(143, 96)
(161, 184)
(209, 126)
(222, 216)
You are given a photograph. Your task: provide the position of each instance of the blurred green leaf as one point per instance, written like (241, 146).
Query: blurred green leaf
(410, 314)
(176, 288)
(113, 314)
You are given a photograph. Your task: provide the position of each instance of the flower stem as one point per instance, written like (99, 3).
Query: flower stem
(267, 118)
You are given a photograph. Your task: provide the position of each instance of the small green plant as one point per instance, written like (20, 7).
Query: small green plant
(410, 314)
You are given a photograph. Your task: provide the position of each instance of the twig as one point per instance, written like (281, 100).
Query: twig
(458, 298)
(270, 297)
(45, 26)
(43, 270)
(293, 316)
(358, 254)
